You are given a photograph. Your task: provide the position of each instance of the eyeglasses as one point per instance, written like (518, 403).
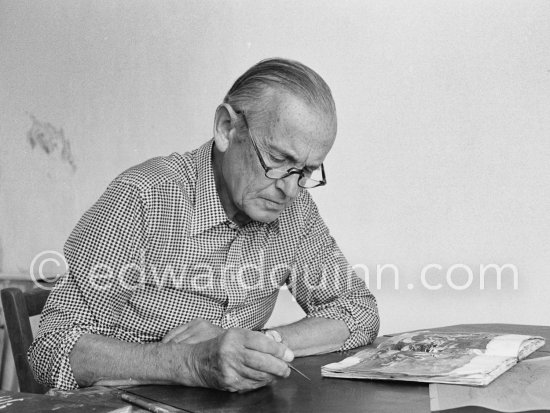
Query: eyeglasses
(307, 179)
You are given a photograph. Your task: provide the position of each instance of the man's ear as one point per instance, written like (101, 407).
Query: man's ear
(223, 127)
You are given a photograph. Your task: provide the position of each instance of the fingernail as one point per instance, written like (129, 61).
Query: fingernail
(289, 355)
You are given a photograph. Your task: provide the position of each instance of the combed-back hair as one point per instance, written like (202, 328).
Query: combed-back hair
(252, 91)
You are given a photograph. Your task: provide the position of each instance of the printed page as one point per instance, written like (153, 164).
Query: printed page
(466, 358)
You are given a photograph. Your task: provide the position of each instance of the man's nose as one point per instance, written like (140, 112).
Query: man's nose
(289, 185)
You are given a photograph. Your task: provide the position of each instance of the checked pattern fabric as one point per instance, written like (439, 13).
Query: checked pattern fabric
(157, 251)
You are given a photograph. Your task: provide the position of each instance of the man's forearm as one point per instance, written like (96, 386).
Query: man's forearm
(103, 360)
(236, 360)
(314, 335)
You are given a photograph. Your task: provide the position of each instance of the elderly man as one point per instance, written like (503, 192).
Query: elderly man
(175, 270)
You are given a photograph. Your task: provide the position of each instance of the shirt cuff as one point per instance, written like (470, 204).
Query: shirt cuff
(56, 371)
(49, 358)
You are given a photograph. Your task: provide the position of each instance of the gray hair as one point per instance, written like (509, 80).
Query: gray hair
(251, 93)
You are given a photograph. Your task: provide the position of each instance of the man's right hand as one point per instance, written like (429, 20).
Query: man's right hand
(238, 360)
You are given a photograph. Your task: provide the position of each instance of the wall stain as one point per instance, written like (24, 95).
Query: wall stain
(51, 140)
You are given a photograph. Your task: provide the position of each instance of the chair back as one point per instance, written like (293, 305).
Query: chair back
(18, 307)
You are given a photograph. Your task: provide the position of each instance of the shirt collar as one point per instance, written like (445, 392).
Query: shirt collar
(209, 210)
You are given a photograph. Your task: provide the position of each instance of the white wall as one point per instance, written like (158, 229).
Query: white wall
(444, 128)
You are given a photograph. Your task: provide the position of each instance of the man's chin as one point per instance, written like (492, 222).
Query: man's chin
(262, 210)
(265, 216)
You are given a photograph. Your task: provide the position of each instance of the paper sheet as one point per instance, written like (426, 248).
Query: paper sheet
(524, 387)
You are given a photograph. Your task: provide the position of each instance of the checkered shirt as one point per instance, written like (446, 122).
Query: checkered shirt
(157, 250)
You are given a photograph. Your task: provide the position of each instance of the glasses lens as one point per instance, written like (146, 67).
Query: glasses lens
(308, 179)
(308, 183)
(276, 173)
(315, 175)
(311, 179)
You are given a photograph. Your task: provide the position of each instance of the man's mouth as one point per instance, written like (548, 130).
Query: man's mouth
(274, 204)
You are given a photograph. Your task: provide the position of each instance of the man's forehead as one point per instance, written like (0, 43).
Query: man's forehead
(298, 147)
(289, 113)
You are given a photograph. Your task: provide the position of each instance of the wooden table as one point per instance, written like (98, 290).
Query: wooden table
(296, 394)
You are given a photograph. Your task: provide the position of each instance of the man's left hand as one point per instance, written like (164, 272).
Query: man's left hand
(193, 332)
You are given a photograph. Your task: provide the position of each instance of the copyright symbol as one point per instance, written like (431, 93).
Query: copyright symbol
(46, 268)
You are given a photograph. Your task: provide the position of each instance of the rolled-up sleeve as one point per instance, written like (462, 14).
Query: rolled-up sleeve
(49, 353)
(326, 286)
(64, 320)
(87, 300)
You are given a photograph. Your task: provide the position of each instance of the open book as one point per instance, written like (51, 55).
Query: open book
(436, 357)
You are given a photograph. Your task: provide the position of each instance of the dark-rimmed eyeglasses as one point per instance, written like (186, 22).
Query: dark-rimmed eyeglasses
(307, 179)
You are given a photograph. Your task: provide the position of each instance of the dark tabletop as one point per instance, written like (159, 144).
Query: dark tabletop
(321, 394)
(295, 394)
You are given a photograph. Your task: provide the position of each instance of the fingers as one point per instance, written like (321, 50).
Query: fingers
(259, 342)
(174, 333)
(249, 379)
(195, 331)
(240, 377)
(259, 365)
(255, 356)
(191, 337)
(241, 360)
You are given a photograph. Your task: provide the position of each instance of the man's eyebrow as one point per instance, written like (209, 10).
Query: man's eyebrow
(291, 158)
(273, 150)
(288, 156)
